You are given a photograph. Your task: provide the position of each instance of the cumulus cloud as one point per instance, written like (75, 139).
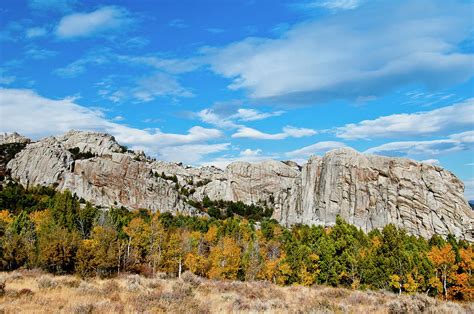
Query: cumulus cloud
(36, 116)
(449, 118)
(315, 149)
(88, 24)
(251, 152)
(288, 131)
(357, 53)
(453, 143)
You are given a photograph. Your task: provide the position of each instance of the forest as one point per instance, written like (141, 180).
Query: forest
(63, 234)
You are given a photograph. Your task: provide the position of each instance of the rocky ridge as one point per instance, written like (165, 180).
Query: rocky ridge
(366, 190)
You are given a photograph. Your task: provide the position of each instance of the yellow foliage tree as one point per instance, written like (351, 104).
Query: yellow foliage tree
(443, 260)
(195, 260)
(138, 232)
(224, 259)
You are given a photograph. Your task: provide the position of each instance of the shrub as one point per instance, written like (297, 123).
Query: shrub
(82, 308)
(133, 283)
(191, 279)
(46, 282)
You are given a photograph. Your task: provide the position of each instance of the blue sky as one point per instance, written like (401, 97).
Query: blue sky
(211, 82)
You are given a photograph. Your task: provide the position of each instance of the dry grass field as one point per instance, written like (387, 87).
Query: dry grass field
(37, 292)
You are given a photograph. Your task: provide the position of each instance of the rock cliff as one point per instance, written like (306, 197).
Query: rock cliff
(366, 190)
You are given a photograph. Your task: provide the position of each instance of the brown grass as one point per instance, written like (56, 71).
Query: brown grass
(34, 291)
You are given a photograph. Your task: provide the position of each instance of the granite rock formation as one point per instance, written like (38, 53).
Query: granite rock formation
(366, 190)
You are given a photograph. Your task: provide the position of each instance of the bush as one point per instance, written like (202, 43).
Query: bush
(46, 282)
(191, 279)
(82, 308)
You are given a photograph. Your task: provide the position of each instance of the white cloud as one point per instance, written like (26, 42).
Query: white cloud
(228, 115)
(453, 143)
(118, 118)
(288, 131)
(331, 4)
(76, 68)
(35, 116)
(170, 65)
(35, 32)
(246, 132)
(298, 132)
(315, 149)
(253, 115)
(159, 84)
(160, 80)
(251, 152)
(209, 116)
(412, 124)
(247, 155)
(88, 24)
(432, 161)
(191, 154)
(357, 53)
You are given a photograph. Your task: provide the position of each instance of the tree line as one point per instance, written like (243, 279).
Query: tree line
(60, 233)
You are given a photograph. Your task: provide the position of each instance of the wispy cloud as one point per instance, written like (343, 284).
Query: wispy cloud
(353, 54)
(36, 32)
(159, 84)
(288, 131)
(215, 30)
(331, 4)
(78, 67)
(254, 115)
(88, 24)
(229, 115)
(426, 149)
(36, 53)
(442, 120)
(177, 23)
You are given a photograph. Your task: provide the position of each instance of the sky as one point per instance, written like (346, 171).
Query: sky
(211, 82)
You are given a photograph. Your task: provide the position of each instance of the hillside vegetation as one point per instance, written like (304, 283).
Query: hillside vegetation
(61, 234)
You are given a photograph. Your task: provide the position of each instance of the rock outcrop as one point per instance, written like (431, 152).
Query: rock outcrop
(12, 138)
(366, 190)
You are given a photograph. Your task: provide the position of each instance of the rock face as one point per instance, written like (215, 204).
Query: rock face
(93, 142)
(366, 190)
(11, 138)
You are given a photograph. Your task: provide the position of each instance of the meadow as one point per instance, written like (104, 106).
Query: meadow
(33, 291)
